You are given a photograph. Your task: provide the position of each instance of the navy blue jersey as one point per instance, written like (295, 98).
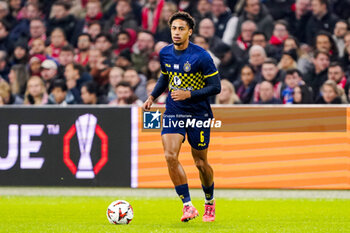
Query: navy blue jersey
(187, 70)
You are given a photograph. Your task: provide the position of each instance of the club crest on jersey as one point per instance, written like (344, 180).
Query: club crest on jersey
(187, 67)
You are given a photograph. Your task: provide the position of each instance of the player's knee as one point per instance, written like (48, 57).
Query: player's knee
(200, 164)
(171, 158)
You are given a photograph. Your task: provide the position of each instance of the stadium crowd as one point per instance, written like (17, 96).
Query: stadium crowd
(107, 51)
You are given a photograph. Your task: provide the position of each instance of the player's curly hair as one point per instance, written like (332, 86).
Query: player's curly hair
(183, 16)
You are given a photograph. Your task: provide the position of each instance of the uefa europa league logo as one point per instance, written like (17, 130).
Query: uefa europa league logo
(85, 127)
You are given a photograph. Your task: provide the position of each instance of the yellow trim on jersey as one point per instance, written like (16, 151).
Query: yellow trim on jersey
(209, 75)
(163, 72)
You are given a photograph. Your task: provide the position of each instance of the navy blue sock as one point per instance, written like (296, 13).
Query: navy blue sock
(183, 192)
(209, 192)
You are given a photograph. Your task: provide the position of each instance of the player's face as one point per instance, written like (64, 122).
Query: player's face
(180, 32)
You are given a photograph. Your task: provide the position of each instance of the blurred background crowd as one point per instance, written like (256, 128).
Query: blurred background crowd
(107, 51)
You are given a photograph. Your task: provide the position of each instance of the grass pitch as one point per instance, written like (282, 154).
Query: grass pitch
(88, 214)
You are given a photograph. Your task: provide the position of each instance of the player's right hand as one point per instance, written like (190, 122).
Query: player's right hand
(147, 104)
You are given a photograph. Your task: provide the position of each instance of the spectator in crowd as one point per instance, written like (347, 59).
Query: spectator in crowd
(340, 29)
(125, 95)
(84, 44)
(228, 94)
(279, 8)
(101, 71)
(38, 47)
(21, 29)
(279, 35)
(115, 76)
(202, 10)
(6, 97)
(5, 14)
(48, 72)
(37, 29)
(18, 77)
(186, 5)
(230, 32)
(321, 19)
(65, 57)
(61, 18)
(151, 14)
(124, 60)
(303, 59)
(104, 43)
(302, 94)
(298, 19)
(230, 65)
(137, 82)
(76, 76)
(318, 75)
(325, 42)
(289, 60)
(90, 94)
(94, 29)
(20, 54)
(247, 32)
(267, 93)
(330, 93)
(93, 13)
(255, 11)
(257, 56)
(150, 86)
(35, 64)
(15, 7)
(4, 66)
(341, 8)
(58, 94)
(204, 43)
(153, 67)
(260, 38)
(246, 84)
(336, 73)
(35, 92)
(289, 43)
(6, 44)
(125, 40)
(57, 41)
(292, 80)
(94, 56)
(273, 75)
(206, 29)
(163, 30)
(221, 15)
(122, 19)
(142, 50)
(242, 44)
(345, 61)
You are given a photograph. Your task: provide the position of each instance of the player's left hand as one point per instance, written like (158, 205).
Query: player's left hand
(180, 95)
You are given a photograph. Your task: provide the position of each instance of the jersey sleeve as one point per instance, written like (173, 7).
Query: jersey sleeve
(163, 70)
(211, 77)
(160, 87)
(207, 65)
(163, 80)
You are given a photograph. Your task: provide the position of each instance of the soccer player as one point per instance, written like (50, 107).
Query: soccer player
(191, 76)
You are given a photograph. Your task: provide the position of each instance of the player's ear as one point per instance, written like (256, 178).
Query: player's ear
(190, 31)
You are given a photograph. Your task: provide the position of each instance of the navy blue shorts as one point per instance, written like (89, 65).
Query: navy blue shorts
(198, 135)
